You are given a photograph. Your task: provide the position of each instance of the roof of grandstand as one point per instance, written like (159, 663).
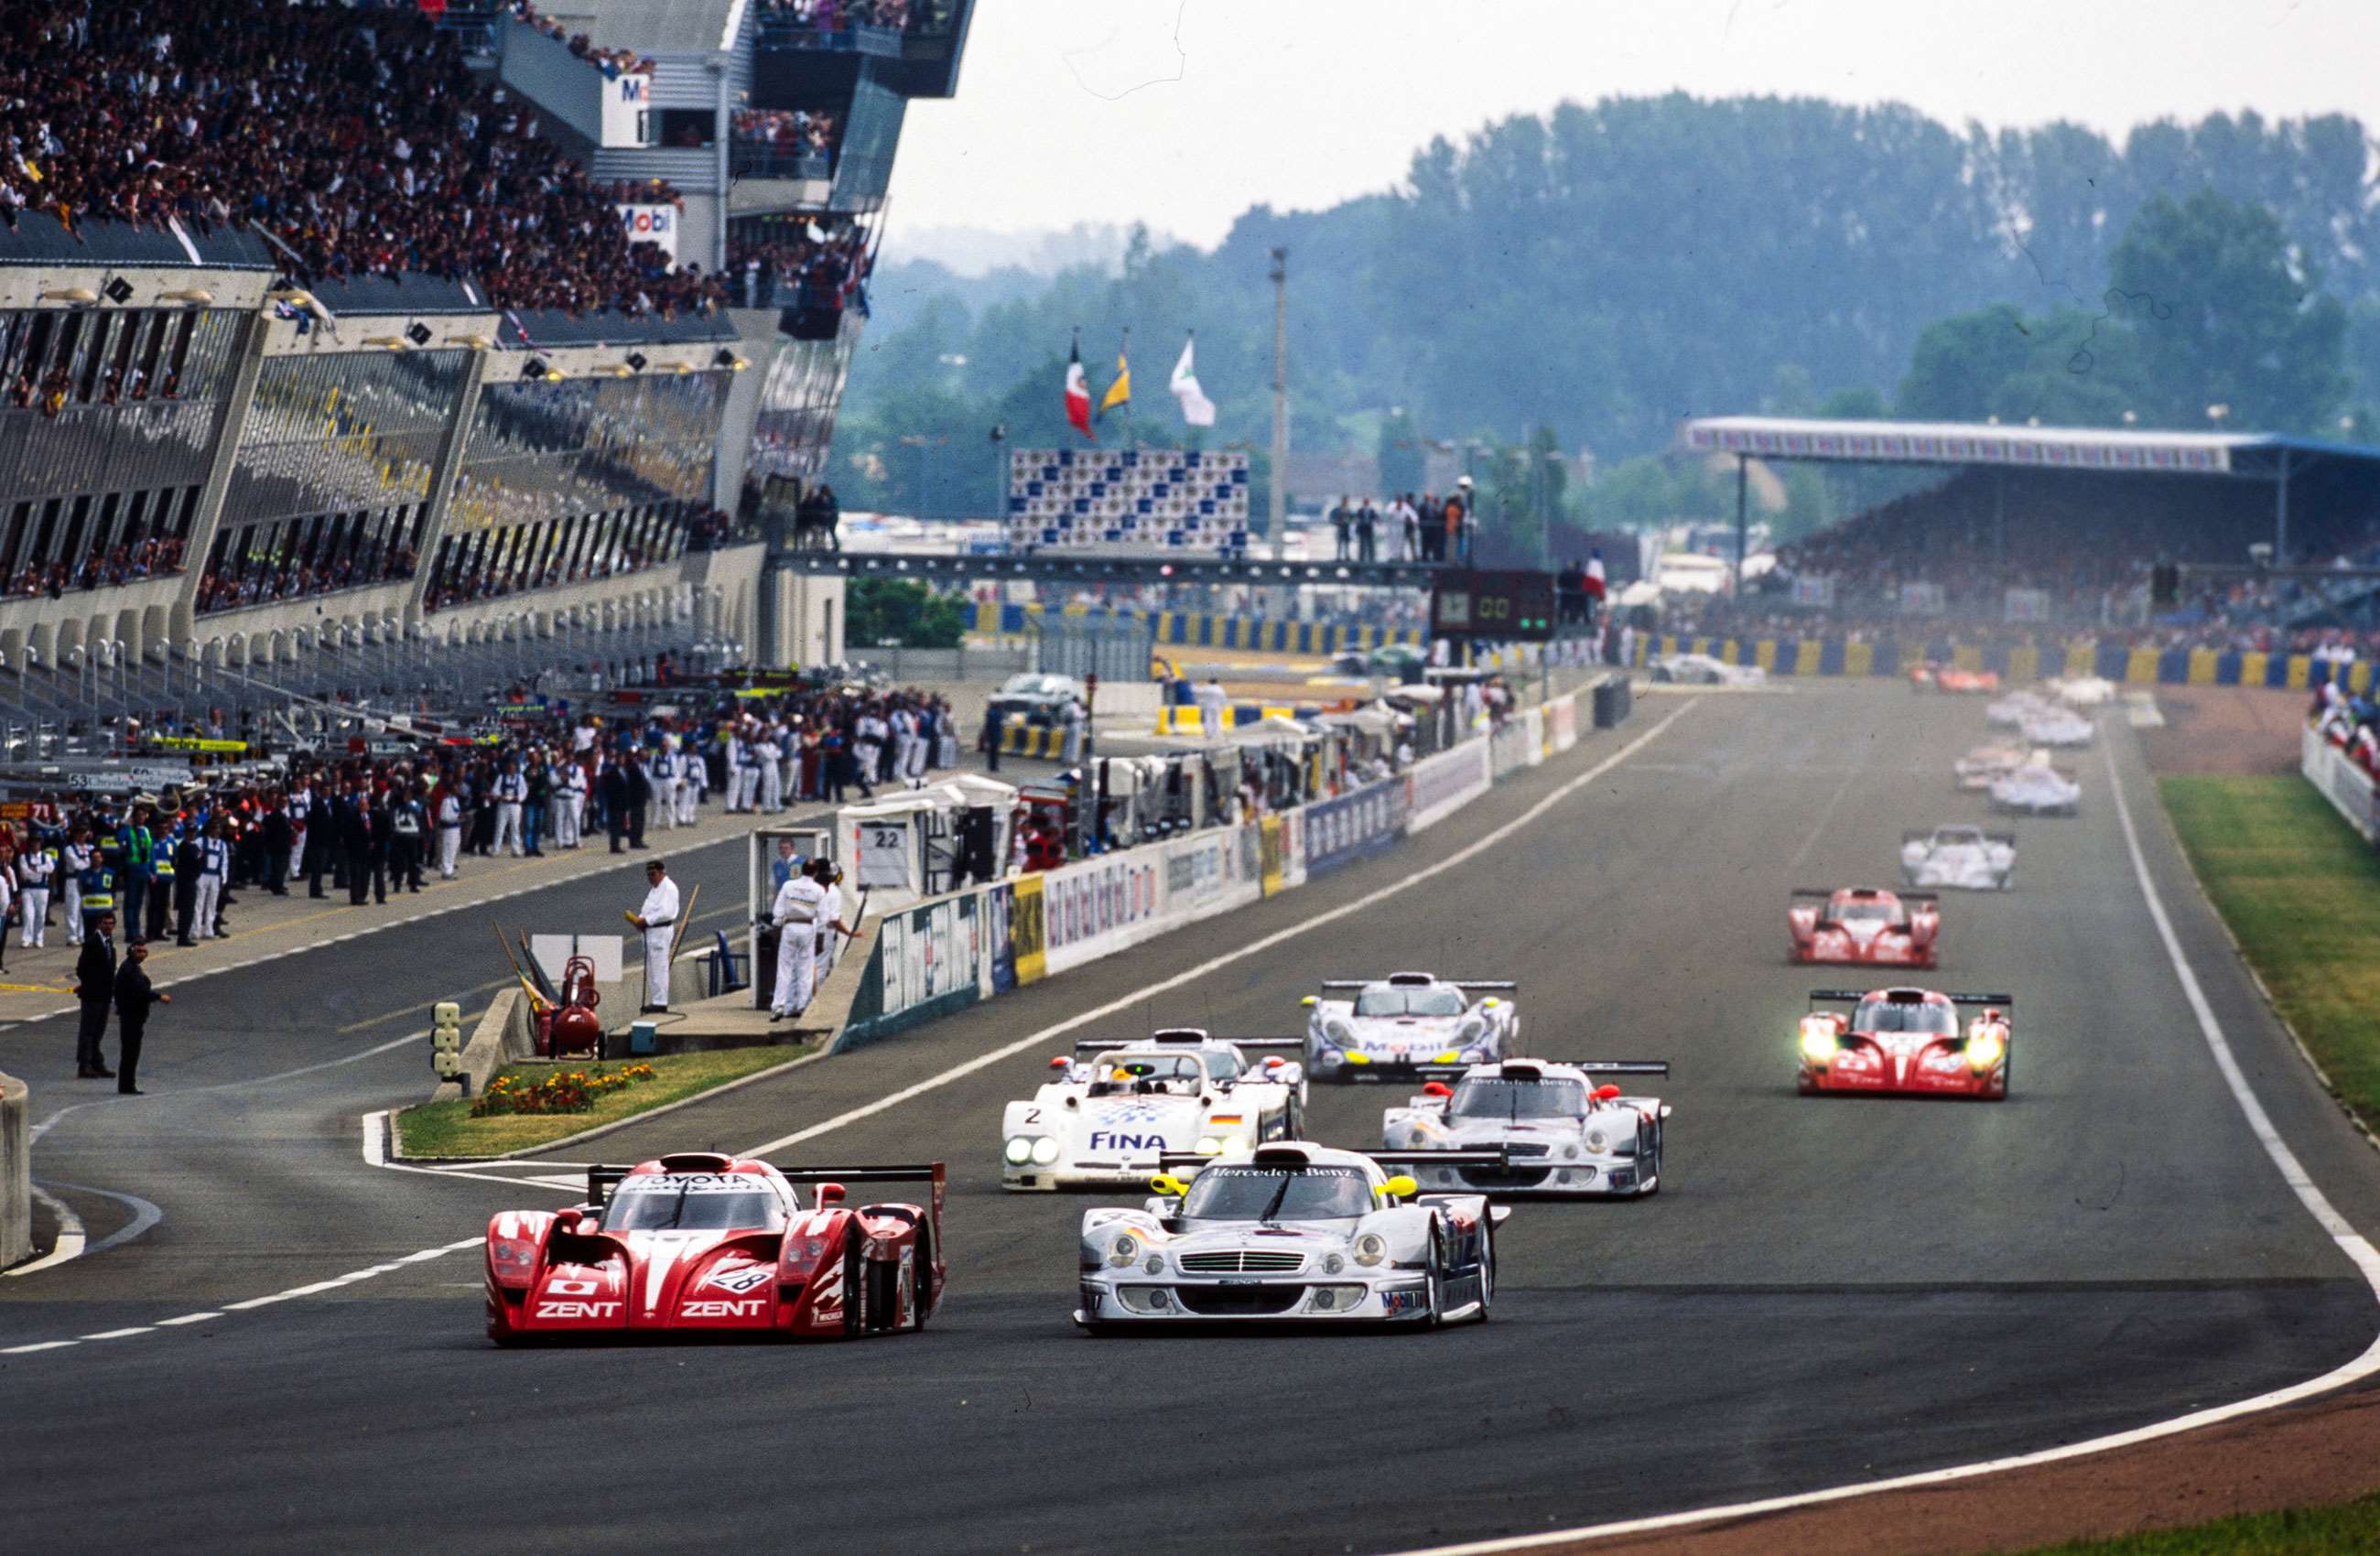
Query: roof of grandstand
(662, 26)
(2255, 454)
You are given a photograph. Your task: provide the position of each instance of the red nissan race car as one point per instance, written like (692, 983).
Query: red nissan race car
(1863, 926)
(700, 1242)
(1906, 1041)
(1951, 678)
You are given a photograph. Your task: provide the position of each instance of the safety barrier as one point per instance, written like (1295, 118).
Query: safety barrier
(1045, 741)
(2018, 661)
(1209, 630)
(2350, 789)
(16, 1173)
(945, 954)
(1187, 718)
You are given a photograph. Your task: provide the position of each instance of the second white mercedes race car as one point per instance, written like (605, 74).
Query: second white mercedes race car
(1561, 1132)
(1108, 1114)
(1390, 1028)
(2036, 789)
(2060, 728)
(1965, 859)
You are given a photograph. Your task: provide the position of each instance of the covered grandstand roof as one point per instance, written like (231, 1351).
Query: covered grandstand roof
(2255, 454)
(659, 27)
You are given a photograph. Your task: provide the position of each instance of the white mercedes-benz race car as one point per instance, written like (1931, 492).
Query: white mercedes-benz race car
(1560, 1132)
(2058, 728)
(1964, 858)
(2037, 789)
(1291, 1233)
(1108, 1114)
(1703, 670)
(2084, 692)
(1985, 765)
(2015, 709)
(1389, 1028)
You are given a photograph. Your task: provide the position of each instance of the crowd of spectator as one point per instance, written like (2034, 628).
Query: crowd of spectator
(834, 16)
(829, 266)
(296, 581)
(544, 777)
(357, 139)
(614, 63)
(787, 132)
(120, 564)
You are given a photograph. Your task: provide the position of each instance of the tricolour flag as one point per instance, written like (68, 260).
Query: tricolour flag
(1197, 408)
(1119, 391)
(1078, 393)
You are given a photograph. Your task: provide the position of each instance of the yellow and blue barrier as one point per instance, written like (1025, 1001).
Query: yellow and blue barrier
(1185, 718)
(1207, 630)
(2017, 662)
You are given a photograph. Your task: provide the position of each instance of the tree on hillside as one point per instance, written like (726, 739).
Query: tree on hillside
(2065, 369)
(2224, 311)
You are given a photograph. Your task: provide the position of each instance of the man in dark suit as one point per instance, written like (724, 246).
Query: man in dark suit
(134, 995)
(95, 987)
(320, 843)
(613, 783)
(640, 795)
(188, 859)
(383, 821)
(278, 835)
(356, 844)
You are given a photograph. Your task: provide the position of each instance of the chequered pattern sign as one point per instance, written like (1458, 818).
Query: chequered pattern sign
(1148, 498)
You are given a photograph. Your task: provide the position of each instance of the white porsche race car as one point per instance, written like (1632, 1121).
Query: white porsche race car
(2017, 708)
(1704, 670)
(1291, 1233)
(1561, 1132)
(1108, 1114)
(2058, 728)
(2036, 789)
(1391, 1026)
(1985, 765)
(2084, 692)
(1964, 858)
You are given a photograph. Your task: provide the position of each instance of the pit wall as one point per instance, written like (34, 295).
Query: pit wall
(2349, 788)
(2083, 656)
(16, 1173)
(943, 955)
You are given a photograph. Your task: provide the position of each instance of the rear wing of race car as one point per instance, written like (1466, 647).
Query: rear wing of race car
(1896, 892)
(1855, 995)
(1495, 986)
(1109, 1045)
(600, 1181)
(1989, 836)
(1599, 1066)
(934, 1173)
(1173, 1161)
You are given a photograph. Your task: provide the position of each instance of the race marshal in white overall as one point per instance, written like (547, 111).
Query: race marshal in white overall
(795, 914)
(658, 920)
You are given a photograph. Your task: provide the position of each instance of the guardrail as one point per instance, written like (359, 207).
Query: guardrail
(2021, 661)
(16, 1173)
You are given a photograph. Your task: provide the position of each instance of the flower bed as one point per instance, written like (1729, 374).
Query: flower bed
(563, 1091)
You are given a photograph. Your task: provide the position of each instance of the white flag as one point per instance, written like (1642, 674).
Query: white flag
(1197, 408)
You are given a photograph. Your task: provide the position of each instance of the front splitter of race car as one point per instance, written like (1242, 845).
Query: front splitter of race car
(1406, 1068)
(1130, 1173)
(1135, 1298)
(1885, 951)
(1597, 1177)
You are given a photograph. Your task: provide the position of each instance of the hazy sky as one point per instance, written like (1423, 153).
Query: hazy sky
(1090, 111)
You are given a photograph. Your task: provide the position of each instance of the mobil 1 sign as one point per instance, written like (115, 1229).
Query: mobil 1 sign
(1510, 605)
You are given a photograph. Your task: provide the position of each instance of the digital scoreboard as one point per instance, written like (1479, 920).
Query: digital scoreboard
(1511, 606)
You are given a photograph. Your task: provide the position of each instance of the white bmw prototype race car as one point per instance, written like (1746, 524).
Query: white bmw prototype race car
(2036, 789)
(1109, 1114)
(1291, 1233)
(1561, 1132)
(1391, 1026)
(1966, 858)
(2084, 692)
(2059, 727)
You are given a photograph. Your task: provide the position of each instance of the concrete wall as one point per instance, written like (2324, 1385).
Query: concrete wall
(16, 1173)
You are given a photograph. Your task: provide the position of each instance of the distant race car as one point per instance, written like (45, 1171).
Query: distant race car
(2058, 727)
(2084, 692)
(1030, 695)
(1561, 1133)
(1106, 1115)
(1394, 661)
(1936, 676)
(702, 1242)
(1985, 765)
(2036, 788)
(1703, 670)
(1387, 1028)
(1966, 858)
(2012, 711)
(1292, 1233)
(1906, 1041)
(1863, 926)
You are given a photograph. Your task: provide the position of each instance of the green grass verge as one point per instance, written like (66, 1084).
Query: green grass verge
(448, 1128)
(2301, 891)
(2323, 1531)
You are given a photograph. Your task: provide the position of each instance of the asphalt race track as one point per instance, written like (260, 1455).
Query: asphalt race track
(1825, 1291)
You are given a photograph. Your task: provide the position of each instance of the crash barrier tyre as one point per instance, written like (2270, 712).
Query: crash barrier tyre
(1615, 697)
(16, 1171)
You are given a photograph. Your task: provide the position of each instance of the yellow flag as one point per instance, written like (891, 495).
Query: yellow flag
(1119, 391)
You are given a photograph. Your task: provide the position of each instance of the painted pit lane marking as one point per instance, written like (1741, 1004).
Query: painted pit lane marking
(1459, 858)
(2352, 1243)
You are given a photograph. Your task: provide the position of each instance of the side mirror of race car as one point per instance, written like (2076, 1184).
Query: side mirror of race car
(1606, 1093)
(1308, 1003)
(1168, 1185)
(1490, 1003)
(1402, 1186)
(1058, 1062)
(1438, 1088)
(829, 1194)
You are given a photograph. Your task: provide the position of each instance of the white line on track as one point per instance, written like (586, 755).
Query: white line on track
(1459, 858)
(71, 1239)
(2350, 1243)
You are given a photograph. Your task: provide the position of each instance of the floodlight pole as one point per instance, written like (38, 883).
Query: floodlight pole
(2281, 514)
(1274, 492)
(1743, 477)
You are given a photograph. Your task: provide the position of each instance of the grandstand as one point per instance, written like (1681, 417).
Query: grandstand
(2036, 528)
(415, 326)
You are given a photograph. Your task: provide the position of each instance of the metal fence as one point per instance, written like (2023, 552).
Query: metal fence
(1112, 648)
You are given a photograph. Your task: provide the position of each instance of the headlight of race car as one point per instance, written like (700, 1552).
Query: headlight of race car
(1985, 1048)
(1020, 1150)
(1333, 1264)
(1045, 1150)
(1370, 1248)
(1338, 1032)
(1124, 1250)
(1472, 1030)
(1209, 1145)
(1818, 1041)
(1594, 1141)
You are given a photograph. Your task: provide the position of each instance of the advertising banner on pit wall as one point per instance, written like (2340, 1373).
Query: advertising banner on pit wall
(1028, 930)
(1353, 826)
(1268, 848)
(1098, 907)
(1441, 783)
(1519, 742)
(2350, 789)
(1561, 724)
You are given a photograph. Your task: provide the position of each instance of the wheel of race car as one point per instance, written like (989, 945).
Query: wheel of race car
(1293, 1127)
(1487, 1266)
(1649, 1175)
(922, 1291)
(883, 1295)
(854, 1289)
(1435, 1287)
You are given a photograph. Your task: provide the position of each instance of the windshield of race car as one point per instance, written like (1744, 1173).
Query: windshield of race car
(1494, 1097)
(1961, 837)
(1886, 1016)
(1867, 910)
(1409, 1001)
(1133, 1072)
(693, 1202)
(1278, 1194)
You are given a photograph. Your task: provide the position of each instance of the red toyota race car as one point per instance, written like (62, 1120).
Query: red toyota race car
(1863, 926)
(703, 1244)
(1906, 1041)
